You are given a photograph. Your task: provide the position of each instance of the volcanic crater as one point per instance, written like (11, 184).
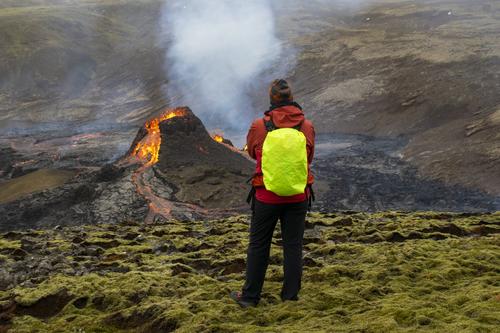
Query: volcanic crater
(182, 162)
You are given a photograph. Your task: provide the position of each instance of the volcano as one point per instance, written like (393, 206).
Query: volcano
(178, 152)
(173, 170)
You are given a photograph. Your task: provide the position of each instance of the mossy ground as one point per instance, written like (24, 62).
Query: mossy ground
(362, 273)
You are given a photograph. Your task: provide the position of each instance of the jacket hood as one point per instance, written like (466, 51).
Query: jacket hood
(286, 116)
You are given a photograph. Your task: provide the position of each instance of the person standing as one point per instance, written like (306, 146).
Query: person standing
(282, 143)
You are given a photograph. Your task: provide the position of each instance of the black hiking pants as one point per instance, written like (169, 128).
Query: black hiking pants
(264, 218)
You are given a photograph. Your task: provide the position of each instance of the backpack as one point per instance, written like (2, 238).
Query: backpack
(284, 160)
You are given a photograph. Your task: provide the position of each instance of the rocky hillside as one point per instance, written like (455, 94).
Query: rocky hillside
(69, 63)
(363, 272)
(426, 70)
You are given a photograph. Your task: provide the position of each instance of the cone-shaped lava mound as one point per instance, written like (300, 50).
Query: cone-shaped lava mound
(200, 169)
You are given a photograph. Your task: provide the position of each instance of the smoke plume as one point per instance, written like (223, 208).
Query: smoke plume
(218, 53)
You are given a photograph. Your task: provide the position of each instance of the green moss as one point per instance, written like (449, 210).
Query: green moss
(6, 245)
(28, 296)
(358, 283)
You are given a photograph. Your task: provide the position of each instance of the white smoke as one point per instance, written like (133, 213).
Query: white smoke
(219, 50)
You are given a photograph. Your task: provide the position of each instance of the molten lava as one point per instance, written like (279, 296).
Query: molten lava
(148, 149)
(218, 138)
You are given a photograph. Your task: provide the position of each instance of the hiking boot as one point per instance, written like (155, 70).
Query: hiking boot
(293, 299)
(236, 296)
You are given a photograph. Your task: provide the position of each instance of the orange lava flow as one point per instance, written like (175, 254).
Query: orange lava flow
(157, 205)
(218, 138)
(148, 149)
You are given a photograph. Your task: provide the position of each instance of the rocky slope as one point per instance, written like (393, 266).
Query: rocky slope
(428, 71)
(362, 272)
(65, 64)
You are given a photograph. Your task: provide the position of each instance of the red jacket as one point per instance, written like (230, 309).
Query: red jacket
(283, 117)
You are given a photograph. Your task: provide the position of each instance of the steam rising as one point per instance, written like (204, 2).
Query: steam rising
(219, 51)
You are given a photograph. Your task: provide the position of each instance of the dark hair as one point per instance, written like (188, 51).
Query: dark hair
(280, 92)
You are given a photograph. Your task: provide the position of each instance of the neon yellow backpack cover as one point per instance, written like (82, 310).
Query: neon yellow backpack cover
(284, 162)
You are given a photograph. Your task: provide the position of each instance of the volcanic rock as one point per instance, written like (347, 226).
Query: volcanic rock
(201, 171)
(110, 172)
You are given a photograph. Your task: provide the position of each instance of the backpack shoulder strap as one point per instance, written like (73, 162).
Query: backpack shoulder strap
(269, 125)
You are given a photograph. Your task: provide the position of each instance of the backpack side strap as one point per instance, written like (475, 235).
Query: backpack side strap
(311, 197)
(251, 198)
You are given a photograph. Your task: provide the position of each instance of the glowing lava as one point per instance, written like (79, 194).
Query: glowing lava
(148, 149)
(218, 138)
